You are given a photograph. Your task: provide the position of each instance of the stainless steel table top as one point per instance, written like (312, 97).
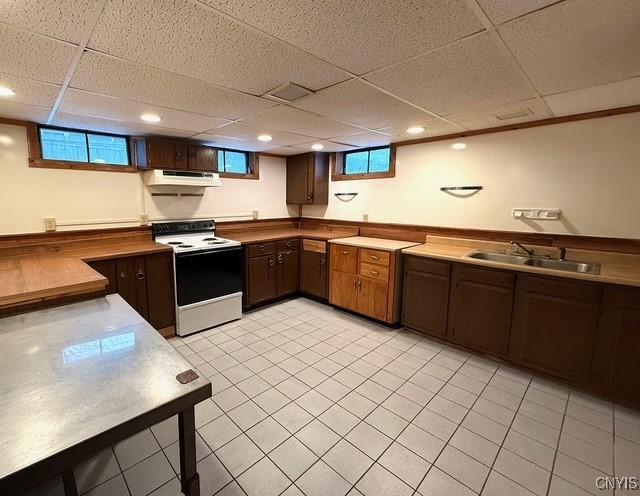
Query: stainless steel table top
(72, 372)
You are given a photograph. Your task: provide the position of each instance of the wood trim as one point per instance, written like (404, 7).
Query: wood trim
(525, 125)
(274, 155)
(336, 161)
(40, 163)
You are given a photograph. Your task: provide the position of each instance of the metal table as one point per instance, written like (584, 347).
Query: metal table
(79, 378)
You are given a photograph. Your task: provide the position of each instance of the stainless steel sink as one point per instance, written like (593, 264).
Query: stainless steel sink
(545, 263)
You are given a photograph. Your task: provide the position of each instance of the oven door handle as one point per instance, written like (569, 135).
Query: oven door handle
(207, 252)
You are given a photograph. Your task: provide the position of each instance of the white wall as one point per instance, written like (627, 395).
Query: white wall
(28, 195)
(589, 169)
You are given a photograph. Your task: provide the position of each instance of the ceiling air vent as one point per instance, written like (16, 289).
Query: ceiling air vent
(287, 92)
(514, 114)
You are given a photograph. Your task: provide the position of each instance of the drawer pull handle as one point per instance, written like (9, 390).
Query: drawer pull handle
(272, 262)
(323, 261)
(375, 272)
(344, 252)
(288, 243)
(140, 275)
(261, 247)
(374, 257)
(122, 275)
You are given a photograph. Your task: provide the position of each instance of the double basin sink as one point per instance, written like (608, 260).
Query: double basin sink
(533, 261)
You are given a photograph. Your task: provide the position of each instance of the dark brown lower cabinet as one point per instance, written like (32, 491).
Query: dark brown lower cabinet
(288, 272)
(618, 346)
(426, 295)
(554, 325)
(480, 308)
(145, 283)
(262, 280)
(313, 273)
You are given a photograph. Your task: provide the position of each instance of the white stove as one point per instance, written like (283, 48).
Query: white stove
(208, 274)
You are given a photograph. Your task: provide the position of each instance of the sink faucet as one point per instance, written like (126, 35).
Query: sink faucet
(519, 245)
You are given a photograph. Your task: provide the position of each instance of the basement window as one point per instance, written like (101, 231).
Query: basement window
(233, 162)
(69, 146)
(369, 163)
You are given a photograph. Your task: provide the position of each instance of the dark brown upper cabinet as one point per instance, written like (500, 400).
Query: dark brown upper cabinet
(202, 158)
(157, 153)
(308, 179)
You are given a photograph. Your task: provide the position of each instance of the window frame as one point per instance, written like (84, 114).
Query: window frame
(36, 158)
(338, 161)
(253, 171)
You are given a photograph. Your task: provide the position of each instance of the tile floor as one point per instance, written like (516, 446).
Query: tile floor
(311, 401)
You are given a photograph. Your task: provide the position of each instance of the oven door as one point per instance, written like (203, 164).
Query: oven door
(204, 275)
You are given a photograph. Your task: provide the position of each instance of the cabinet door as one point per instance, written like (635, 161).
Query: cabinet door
(297, 179)
(619, 341)
(202, 158)
(554, 325)
(288, 272)
(126, 281)
(160, 154)
(313, 273)
(160, 296)
(108, 269)
(480, 308)
(426, 296)
(140, 274)
(181, 155)
(318, 179)
(372, 298)
(262, 279)
(343, 291)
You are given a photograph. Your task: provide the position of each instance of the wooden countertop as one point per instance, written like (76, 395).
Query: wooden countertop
(374, 243)
(615, 268)
(264, 235)
(47, 272)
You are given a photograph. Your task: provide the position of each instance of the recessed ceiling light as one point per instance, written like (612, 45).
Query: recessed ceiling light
(4, 91)
(265, 137)
(458, 146)
(415, 130)
(150, 117)
(317, 146)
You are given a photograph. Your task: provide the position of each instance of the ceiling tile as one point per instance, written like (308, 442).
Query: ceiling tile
(29, 91)
(297, 121)
(500, 11)
(328, 146)
(433, 127)
(606, 96)
(469, 74)
(364, 140)
(486, 118)
(285, 150)
(223, 141)
(246, 132)
(360, 103)
(358, 35)
(77, 121)
(34, 56)
(82, 102)
(574, 45)
(62, 19)
(123, 79)
(15, 110)
(194, 40)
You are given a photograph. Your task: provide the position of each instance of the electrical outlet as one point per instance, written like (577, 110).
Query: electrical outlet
(49, 224)
(255, 215)
(365, 217)
(144, 219)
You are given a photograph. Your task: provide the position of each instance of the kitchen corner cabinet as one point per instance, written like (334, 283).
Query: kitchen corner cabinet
(271, 270)
(365, 281)
(146, 283)
(313, 268)
(156, 153)
(308, 179)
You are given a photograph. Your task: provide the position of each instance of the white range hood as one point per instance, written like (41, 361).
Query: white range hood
(198, 179)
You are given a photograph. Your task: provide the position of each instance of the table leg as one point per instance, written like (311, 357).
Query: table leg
(69, 482)
(189, 479)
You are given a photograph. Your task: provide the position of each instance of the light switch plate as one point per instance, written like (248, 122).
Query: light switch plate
(50, 224)
(536, 213)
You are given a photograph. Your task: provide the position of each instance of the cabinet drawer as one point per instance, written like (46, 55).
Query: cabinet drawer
(344, 258)
(374, 256)
(261, 249)
(288, 245)
(314, 245)
(376, 272)
(495, 277)
(426, 265)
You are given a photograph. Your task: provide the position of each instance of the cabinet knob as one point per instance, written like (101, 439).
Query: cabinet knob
(323, 261)
(261, 247)
(140, 275)
(375, 272)
(288, 243)
(122, 275)
(344, 252)
(272, 262)
(280, 258)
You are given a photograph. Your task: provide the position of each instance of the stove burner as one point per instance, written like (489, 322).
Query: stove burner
(174, 242)
(185, 246)
(209, 239)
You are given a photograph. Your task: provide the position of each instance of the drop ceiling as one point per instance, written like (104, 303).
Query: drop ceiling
(375, 67)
